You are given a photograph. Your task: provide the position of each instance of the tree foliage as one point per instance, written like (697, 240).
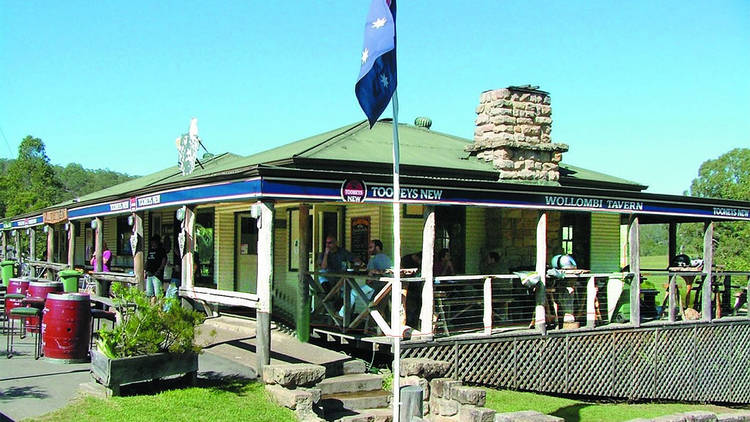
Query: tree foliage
(654, 239)
(726, 177)
(30, 182)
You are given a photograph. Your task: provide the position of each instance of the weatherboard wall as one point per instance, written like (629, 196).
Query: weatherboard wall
(605, 243)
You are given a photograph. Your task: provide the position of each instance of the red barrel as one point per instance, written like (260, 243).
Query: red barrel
(15, 286)
(66, 325)
(40, 289)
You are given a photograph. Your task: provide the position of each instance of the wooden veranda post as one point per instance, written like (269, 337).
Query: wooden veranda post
(265, 278)
(428, 255)
(540, 318)
(303, 291)
(71, 243)
(138, 250)
(99, 239)
(188, 264)
(672, 242)
(17, 245)
(50, 251)
(635, 268)
(708, 263)
(32, 243)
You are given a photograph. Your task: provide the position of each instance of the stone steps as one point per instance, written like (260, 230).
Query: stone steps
(340, 402)
(364, 415)
(351, 383)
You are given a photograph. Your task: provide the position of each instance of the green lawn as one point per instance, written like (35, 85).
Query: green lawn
(225, 400)
(577, 410)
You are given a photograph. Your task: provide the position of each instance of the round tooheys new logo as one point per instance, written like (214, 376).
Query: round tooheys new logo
(353, 191)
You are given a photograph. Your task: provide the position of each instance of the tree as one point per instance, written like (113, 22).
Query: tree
(30, 182)
(726, 177)
(78, 181)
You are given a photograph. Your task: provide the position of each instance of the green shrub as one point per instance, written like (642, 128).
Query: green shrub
(162, 326)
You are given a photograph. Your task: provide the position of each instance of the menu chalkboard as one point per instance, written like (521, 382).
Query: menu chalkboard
(360, 237)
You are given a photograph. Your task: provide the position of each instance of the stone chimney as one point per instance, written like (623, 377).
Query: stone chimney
(513, 128)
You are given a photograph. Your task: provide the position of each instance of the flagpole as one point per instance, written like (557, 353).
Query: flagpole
(396, 287)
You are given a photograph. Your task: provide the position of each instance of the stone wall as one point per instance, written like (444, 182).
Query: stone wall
(513, 131)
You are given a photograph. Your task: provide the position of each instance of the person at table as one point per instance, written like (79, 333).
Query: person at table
(412, 261)
(155, 262)
(379, 261)
(492, 264)
(334, 259)
(443, 265)
(106, 257)
(377, 265)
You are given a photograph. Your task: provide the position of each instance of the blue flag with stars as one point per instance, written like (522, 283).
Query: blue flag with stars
(377, 75)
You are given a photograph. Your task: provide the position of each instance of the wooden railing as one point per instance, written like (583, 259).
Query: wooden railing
(487, 304)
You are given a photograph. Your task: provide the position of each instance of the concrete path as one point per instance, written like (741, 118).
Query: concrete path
(31, 388)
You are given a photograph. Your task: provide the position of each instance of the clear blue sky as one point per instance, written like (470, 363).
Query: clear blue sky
(645, 90)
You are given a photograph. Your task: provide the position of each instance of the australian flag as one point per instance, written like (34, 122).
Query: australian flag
(377, 75)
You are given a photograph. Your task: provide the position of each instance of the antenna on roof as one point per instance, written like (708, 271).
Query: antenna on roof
(187, 148)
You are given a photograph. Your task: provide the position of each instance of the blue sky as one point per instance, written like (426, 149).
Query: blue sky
(645, 90)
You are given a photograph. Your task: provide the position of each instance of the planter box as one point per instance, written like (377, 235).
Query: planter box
(113, 373)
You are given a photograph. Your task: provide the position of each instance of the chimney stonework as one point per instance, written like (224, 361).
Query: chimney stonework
(513, 130)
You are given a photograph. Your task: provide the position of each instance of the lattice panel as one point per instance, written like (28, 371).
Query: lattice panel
(590, 364)
(715, 347)
(687, 362)
(527, 360)
(552, 376)
(634, 369)
(490, 364)
(740, 371)
(676, 376)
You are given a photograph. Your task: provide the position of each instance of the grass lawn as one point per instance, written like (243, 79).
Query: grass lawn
(577, 410)
(211, 400)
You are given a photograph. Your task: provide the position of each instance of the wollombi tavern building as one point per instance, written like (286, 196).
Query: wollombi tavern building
(254, 226)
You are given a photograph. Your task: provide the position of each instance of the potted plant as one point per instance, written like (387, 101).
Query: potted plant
(151, 340)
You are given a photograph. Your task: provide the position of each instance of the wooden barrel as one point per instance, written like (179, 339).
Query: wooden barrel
(40, 290)
(66, 325)
(15, 286)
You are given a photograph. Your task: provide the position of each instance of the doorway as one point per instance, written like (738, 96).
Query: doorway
(450, 233)
(245, 253)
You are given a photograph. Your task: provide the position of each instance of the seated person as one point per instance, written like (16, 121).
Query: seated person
(377, 265)
(443, 265)
(411, 261)
(492, 264)
(334, 259)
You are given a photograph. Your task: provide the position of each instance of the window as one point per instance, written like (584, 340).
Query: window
(575, 237)
(247, 229)
(567, 240)
(450, 233)
(204, 247)
(124, 231)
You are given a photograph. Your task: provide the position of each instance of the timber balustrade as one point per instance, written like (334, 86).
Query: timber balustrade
(39, 267)
(489, 304)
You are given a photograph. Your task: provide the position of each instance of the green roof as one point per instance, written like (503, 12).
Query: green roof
(571, 171)
(357, 143)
